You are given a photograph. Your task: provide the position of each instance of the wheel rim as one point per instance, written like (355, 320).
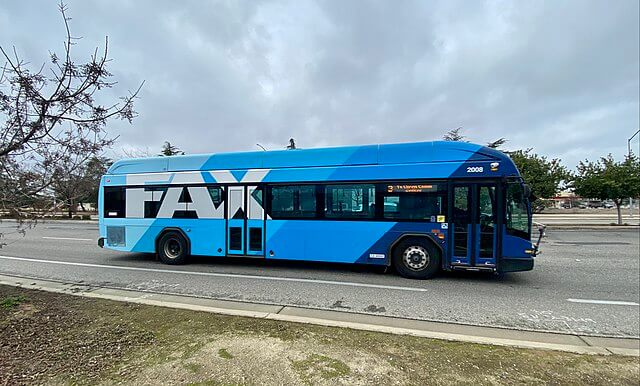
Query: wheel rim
(172, 248)
(415, 257)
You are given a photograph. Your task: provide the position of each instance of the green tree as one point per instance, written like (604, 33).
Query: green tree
(545, 177)
(454, 135)
(497, 144)
(169, 150)
(607, 179)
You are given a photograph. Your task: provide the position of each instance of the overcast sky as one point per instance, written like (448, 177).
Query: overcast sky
(561, 77)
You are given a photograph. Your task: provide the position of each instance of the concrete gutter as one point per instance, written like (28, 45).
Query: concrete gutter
(437, 330)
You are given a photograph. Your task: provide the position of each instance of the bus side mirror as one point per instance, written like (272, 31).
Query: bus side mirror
(536, 246)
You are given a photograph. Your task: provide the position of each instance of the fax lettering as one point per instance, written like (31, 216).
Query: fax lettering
(201, 202)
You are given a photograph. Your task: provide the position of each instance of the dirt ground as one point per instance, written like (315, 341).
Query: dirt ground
(54, 339)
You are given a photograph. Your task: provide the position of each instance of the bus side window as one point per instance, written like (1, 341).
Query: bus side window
(293, 201)
(350, 201)
(217, 195)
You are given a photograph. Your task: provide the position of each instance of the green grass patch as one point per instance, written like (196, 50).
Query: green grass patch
(10, 302)
(193, 367)
(320, 365)
(224, 354)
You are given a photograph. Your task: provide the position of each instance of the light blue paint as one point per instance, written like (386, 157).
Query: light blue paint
(208, 178)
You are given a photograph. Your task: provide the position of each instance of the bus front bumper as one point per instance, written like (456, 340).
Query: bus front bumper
(516, 264)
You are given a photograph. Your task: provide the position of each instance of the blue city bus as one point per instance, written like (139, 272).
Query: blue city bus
(418, 207)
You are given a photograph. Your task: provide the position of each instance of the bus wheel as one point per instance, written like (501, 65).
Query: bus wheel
(172, 248)
(416, 258)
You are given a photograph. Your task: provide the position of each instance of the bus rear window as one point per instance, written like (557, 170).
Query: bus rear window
(114, 202)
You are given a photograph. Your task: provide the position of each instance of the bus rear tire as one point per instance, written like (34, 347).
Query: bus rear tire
(173, 248)
(416, 258)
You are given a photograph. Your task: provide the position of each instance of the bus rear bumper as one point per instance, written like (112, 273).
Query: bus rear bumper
(516, 264)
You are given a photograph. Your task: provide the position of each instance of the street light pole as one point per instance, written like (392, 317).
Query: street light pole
(629, 155)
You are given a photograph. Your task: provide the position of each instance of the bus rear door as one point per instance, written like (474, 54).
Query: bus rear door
(245, 221)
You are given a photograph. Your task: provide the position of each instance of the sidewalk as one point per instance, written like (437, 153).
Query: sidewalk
(448, 331)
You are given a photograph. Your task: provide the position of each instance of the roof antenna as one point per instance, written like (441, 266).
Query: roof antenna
(261, 147)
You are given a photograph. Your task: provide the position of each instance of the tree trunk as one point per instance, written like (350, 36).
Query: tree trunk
(70, 209)
(618, 202)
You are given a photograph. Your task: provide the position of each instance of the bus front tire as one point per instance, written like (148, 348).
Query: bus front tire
(172, 248)
(416, 258)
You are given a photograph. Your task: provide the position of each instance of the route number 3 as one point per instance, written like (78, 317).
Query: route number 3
(475, 169)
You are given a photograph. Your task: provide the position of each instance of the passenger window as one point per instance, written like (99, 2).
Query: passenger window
(216, 194)
(152, 207)
(293, 201)
(350, 201)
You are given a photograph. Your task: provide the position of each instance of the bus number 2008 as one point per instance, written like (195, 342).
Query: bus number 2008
(475, 169)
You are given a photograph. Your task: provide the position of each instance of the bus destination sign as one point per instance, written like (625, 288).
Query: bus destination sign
(411, 188)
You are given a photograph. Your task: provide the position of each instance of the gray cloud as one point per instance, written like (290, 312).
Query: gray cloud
(561, 77)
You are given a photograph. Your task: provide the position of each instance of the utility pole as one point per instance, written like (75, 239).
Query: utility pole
(629, 155)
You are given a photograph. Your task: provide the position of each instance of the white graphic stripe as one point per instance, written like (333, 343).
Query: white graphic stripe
(223, 176)
(255, 175)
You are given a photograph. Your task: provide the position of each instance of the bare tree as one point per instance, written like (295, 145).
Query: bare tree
(51, 122)
(81, 185)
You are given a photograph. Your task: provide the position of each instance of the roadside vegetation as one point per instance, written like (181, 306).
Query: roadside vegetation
(63, 339)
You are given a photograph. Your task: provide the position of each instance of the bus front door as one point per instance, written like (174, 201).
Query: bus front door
(245, 221)
(474, 220)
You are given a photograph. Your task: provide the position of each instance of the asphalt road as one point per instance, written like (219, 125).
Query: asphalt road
(586, 281)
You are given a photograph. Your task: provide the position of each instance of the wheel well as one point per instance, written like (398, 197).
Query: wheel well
(405, 236)
(177, 230)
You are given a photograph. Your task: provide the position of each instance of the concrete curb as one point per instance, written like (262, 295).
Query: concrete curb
(436, 330)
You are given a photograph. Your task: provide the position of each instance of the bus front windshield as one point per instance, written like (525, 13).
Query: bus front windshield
(517, 211)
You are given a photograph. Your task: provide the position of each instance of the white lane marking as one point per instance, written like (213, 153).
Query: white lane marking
(234, 275)
(593, 301)
(65, 238)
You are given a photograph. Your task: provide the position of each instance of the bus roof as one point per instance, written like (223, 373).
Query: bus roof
(383, 154)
